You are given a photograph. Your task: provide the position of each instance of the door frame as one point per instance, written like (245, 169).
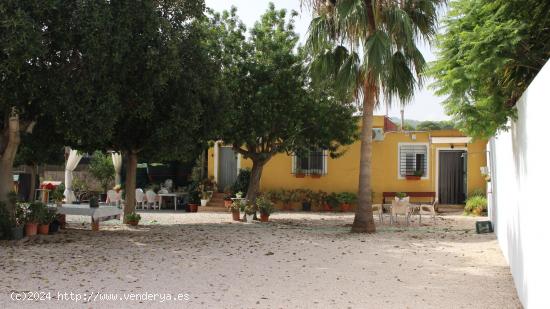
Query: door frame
(437, 150)
(217, 146)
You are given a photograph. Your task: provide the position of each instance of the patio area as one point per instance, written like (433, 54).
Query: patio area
(219, 263)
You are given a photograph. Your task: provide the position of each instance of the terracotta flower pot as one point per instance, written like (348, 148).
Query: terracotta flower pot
(227, 203)
(300, 175)
(95, 226)
(264, 217)
(345, 207)
(236, 215)
(193, 207)
(133, 223)
(412, 177)
(31, 229)
(477, 211)
(43, 229)
(326, 207)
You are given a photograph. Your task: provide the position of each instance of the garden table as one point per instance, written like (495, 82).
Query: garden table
(97, 214)
(173, 195)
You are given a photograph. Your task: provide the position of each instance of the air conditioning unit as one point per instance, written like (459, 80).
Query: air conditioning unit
(377, 134)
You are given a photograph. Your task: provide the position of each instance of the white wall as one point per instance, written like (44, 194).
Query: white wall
(519, 193)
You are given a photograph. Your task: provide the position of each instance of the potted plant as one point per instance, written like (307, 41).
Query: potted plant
(57, 195)
(316, 174)
(227, 201)
(319, 200)
(17, 231)
(132, 219)
(44, 220)
(299, 173)
(249, 211)
(332, 202)
(346, 199)
(266, 208)
(416, 175)
(287, 197)
(32, 218)
(54, 223)
(476, 205)
(274, 196)
(239, 194)
(306, 197)
(235, 209)
(204, 198)
(400, 195)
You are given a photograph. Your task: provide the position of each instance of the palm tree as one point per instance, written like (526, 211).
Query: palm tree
(368, 47)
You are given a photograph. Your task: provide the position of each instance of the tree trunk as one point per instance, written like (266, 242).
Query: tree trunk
(33, 168)
(130, 186)
(255, 176)
(11, 139)
(364, 221)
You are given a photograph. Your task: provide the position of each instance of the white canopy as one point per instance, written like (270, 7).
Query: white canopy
(117, 163)
(451, 140)
(72, 162)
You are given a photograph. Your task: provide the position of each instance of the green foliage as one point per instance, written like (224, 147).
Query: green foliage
(400, 195)
(250, 208)
(333, 201)
(478, 192)
(274, 108)
(57, 194)
(347, 197)
(435, 125)
(101, 167)
(132, 217)
(36, 212)
(265, 206)
(242, 181)
(274, 195)
(236, 206)
(475, 204)
(489, 52)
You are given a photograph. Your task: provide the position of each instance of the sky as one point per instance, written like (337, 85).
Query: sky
(425, 104)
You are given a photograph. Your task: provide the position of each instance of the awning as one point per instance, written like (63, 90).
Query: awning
(451, 140)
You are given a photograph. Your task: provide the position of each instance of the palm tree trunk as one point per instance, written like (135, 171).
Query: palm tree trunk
(130, 186)
(364, 221)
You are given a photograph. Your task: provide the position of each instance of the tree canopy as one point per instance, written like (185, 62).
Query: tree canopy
(489, 52)
(369, 48)
(274, 108)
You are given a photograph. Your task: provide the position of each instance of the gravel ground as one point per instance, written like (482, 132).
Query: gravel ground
(299, 260)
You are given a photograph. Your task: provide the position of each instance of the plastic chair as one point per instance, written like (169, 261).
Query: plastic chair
(152, 199)
(140, 198)
(427, 209)
(400, 207)
(113, 198)
(378, 209)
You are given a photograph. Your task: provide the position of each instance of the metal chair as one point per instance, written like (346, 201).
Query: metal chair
(400, 207)
(427, 209)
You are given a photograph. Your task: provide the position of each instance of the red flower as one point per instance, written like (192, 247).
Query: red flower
(48, 186)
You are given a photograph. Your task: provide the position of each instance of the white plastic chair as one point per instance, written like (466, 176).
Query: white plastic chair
(427, 209)
(140, 198)
(152, 199)
(400, 207)
(113, 198)
(378, 209)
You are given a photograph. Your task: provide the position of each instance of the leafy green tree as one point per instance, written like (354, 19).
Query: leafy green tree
(274, 108)
(489, 52)
(101, 167)
(434, 125)
(39, 60)
(368, 47)
(159, 75)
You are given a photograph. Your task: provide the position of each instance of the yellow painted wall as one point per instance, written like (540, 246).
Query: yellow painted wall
(343, 172)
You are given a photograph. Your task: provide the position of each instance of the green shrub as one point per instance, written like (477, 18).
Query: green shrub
(242, 181)
(477, 192)
(347, 197)
(333, 201)
(475, 204)
(265, 205)
(133, 217)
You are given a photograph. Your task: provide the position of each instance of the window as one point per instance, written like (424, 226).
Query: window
(311, 161)
(413, 160)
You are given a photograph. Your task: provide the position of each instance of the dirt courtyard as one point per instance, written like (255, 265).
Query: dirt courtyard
(299, 260)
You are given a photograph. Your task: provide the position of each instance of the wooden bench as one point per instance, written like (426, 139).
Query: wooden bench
(416, 195)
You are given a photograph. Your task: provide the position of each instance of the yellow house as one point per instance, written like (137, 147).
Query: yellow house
(449, 163)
